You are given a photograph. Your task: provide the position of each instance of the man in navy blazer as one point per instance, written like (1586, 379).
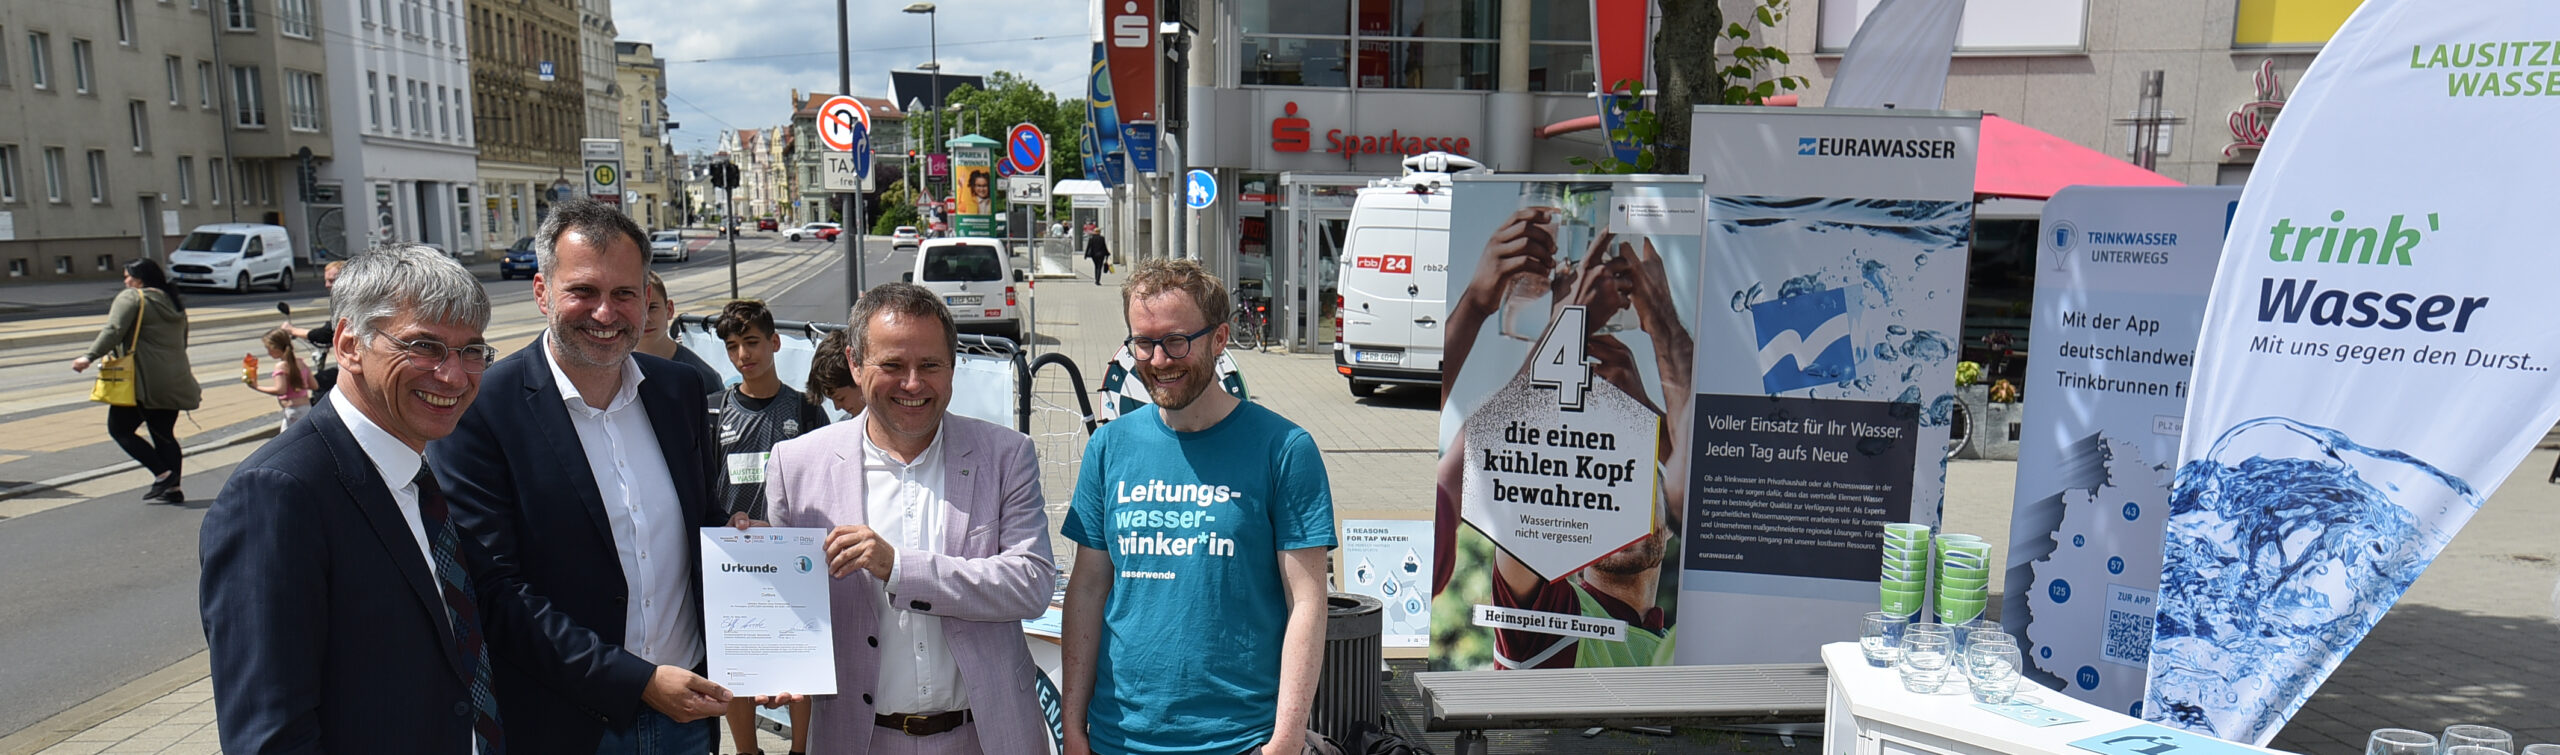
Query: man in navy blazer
(585, 472)
(344, 611)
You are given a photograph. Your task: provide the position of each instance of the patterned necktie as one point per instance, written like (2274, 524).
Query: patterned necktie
(461, 609)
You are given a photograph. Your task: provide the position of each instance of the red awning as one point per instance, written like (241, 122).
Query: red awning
(2018, 161)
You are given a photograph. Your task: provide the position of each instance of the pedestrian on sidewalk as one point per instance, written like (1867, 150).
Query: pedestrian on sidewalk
(324, 375)
(586, 477)
(293, 380)
(148, 322)
(342, 609)
(1100, 253)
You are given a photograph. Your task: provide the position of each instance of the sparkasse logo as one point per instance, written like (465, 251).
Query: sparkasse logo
(1844, 146)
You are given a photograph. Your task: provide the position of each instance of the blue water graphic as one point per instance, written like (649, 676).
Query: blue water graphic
(1852, 232)
(2284, 546)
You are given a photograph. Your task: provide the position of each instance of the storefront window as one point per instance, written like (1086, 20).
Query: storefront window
(1400, 44)
(1561, 68)
(1560, 21)
(1292, 61)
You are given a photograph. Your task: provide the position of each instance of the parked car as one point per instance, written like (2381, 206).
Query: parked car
(812, 230)
(234, 256)
(975, 280)
(767, 224)
(668, 245)
(518, 261)
(905, 237)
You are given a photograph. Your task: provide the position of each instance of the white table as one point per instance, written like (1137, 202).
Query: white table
(1868, 713)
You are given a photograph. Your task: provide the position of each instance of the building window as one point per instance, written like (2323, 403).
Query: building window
(138, 115)
(240, 15)
(39, 54)
(124, 22)
(62, 264)
(1994, 25)
(97, 176)
(214, 178)
(444, 115)
(81, 70)
(248, 109)
(186, 180)
(8, 173)
(204, 85)
(386, 12)
(53, 174)
(4, 56)
(364, 12)
(106, 262)
(1379, 44)
(302, 98)
(395, 104)
(177, 81)
(293, 18)
(418, 107)
(373, 100)
(452, 23)
(17, 268)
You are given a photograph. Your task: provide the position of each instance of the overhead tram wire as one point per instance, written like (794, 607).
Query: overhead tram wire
(1040, 38)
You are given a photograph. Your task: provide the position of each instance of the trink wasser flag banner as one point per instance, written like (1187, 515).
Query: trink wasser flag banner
(1900, 56)
(1826, 358)
(2122, 273)
(2376, 356)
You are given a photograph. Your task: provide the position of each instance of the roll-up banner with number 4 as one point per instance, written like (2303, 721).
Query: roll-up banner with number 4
(1559, 495)
(2376, 354)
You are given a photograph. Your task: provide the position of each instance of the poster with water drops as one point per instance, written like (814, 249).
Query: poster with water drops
(1833, 275)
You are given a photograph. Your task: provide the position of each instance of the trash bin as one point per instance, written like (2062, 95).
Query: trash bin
(1351, 689)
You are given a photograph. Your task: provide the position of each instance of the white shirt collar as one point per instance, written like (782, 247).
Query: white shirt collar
(873, 454)
(397, 463)
(622, 397)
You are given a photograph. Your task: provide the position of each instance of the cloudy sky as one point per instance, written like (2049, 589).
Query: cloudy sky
(733, 64)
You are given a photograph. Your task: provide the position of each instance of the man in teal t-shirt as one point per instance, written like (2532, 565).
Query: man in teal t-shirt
(1195, 616)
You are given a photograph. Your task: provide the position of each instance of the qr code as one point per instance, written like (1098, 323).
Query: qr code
(2129, 638)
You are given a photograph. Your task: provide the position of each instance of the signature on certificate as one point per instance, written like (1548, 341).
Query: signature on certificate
(735, 623)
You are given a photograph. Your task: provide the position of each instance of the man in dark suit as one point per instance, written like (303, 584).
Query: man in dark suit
(343, 610)
(585, 475)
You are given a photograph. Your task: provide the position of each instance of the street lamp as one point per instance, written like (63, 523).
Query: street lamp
(933, 42)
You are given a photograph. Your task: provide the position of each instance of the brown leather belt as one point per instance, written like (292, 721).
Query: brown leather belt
(924, 724)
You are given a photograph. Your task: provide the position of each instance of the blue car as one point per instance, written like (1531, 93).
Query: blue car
(519, 260)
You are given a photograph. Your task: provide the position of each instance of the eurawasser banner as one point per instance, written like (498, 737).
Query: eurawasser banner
(2376, 356)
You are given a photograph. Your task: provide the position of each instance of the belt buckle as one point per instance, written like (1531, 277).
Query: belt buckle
(907, 723)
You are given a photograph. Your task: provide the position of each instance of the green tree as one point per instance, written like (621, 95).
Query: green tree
(1011, 98)
(1689, 73)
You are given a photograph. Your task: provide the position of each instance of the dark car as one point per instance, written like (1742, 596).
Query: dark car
(519, 260)
(767, 224)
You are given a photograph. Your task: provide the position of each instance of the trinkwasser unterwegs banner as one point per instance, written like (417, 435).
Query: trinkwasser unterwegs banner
(2121, 279)
(1831, 305)
(2376, 357)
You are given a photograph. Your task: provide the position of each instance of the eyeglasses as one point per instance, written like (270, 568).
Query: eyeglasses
(1176, 346)
(431, 354)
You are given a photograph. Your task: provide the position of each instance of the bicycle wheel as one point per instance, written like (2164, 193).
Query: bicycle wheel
(1959, 429)
(1247, 330)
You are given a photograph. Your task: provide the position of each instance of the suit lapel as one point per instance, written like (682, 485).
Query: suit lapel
(372, 497)
(848, 474)
(960, 486)
(568, 457)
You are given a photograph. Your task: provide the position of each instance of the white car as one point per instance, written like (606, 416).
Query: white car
(905, 237)
(668, 245)
(975, 280)
(234, 256)
(808, 231)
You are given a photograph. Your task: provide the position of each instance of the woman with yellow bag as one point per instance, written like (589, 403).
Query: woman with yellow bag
(143, 375)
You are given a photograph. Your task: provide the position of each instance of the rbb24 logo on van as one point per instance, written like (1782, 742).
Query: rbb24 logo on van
(1392, 263)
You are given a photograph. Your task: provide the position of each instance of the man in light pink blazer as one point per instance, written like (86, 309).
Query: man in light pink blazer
(937, 545)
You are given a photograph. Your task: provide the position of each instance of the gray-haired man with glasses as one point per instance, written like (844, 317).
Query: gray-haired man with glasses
(1195, 617)
(343, 610)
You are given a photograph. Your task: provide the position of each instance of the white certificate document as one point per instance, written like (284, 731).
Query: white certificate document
(764, 610)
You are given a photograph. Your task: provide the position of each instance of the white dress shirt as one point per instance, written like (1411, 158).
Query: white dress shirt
(662, 623)
(904, 502)
(398, 466)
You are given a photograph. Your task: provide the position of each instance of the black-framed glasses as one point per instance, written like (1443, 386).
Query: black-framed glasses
(1176, 346)
(431, 354)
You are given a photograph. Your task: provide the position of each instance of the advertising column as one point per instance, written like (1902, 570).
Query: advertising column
(2376, 357)
(1835, 258)
(2120, 292)
(1559, 496)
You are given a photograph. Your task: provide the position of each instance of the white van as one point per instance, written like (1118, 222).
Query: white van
(1394, 277)
(234, 256)
(976, 280)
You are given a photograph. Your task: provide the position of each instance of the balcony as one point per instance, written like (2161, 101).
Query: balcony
(649, 129)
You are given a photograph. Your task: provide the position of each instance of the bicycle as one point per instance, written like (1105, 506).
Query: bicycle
(1251, 321)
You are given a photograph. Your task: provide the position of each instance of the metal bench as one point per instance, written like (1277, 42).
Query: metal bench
(1470, 702)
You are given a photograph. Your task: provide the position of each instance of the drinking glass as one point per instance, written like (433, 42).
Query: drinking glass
(1880, 637)
(2400, 742)
(2474, 750)
(2542, 749)
(2476, 735)
(1924, 661)
(1981, 632)
(1569, 223)
(1992, 669)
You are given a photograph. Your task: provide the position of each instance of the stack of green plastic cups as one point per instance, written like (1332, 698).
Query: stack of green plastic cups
(1905, 581)
(1964, 578)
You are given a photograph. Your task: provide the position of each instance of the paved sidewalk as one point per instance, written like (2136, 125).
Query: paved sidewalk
(2473, 642)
